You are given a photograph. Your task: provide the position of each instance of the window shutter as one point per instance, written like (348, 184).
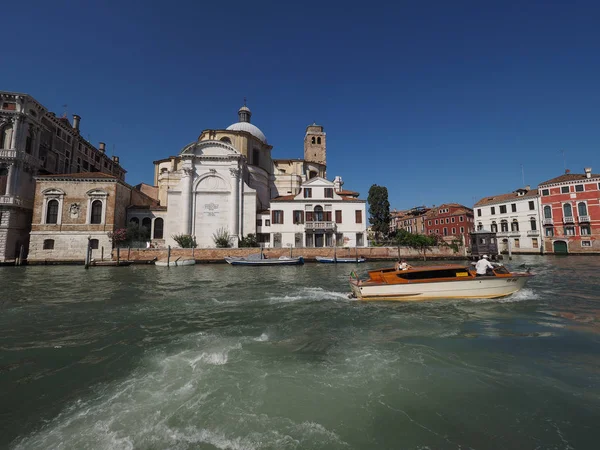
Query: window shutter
(338, 216)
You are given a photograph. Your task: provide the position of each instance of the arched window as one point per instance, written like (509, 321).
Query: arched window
(494, 227)
(318, 213)
(135, 221)
(514, 226)
(567, 210)
(226, 140)
(547, 212)
(52, 211)
(158, 228)
(479, 226)
(312, 140)
(318, 140)
(533, 224)
(29, 142)
(147, 223)
(48, 244)
(582, 209)
(504, 226)
(4, 140)
(96, 216)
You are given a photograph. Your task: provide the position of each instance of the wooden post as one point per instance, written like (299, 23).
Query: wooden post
(193, 257)
(118, 255)
(356, 252)
(128, 252)
(168, 255)
(87, 255)
(102, 254)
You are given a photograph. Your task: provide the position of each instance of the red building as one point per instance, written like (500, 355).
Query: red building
(449, 221)
(571, 213)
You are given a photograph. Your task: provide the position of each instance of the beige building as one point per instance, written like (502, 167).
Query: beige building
(71, 209)
(34, 141)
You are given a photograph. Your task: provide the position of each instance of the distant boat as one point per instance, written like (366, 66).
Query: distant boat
(175, 262)
(258, 259)
(333, 260)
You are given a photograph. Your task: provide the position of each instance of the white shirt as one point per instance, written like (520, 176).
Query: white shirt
(482, 266)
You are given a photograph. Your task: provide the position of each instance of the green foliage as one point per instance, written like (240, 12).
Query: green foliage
(185, 240)
(249, 241)
(417, 241)
(222, 238)
(379, 211)
(135, 233)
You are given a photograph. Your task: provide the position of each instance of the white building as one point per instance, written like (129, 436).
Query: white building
(320, 215)
(515, 217)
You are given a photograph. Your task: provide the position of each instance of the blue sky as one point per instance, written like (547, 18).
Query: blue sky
(439, 101)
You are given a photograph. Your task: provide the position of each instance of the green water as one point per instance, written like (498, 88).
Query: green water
(221, 357)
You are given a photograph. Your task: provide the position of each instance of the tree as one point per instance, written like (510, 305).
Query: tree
(379, 211)
(185, 240)
(420, 242)
(249, 241)
(222, 238)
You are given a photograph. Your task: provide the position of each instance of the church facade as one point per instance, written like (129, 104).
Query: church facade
(226, 183)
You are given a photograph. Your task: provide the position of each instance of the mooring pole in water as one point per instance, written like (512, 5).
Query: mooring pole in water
(509, 250)
(118, 255)
(168, 255)
(87, 254)
(102, 254)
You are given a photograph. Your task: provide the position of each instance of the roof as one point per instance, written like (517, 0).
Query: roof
(570, 177)
(81, 175)
(506, 197)
(248, 128)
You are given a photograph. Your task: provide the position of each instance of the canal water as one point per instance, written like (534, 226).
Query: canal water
(221, 357)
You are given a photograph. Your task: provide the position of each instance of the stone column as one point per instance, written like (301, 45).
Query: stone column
(10, 179)
(186, 194)
(15, 133)
(234, 217)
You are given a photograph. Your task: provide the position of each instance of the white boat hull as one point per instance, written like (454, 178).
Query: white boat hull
(479, 287)
(178, 262)
(324, 259)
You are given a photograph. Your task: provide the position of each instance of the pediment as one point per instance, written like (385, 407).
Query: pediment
(318, 181)
(210, 149)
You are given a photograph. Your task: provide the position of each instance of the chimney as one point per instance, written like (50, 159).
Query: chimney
(115, 159)
(528, 187)
(101, 147)
(76, 120)
(567, 171)
(588, 172)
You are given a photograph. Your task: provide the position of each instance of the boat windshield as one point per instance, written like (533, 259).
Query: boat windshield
(430, 274)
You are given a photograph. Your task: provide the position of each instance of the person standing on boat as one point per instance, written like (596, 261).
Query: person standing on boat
(482, 266)
(403, 265)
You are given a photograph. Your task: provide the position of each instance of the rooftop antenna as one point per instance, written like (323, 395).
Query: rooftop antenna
(244, 101)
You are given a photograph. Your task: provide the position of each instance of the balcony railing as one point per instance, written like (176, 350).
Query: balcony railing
(15, 155)
(320, 225)
(584, 219)
(568, 219)
(533, 233)
(548, 221)
(13, 200)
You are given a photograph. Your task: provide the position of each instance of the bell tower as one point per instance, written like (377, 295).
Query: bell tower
(314, 144)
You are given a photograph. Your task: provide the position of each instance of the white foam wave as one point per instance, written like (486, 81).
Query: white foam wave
(309, 293)
(262, 338)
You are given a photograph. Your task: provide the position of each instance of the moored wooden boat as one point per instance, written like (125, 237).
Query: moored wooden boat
(436, 282)
(175, 262)
(333, 260)
(258, 259)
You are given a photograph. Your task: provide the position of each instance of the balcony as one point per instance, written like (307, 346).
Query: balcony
(547, 221)
(533, 233)
(568, 219)
(583, 219)
(13, 200)
(30, 160)
(319, 226)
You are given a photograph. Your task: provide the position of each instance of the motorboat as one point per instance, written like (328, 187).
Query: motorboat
(334, 260)
(175, 262)
(259, 259)
(436, 282)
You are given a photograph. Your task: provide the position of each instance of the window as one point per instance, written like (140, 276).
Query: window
(447, 220)
(307, 193)
(259, 222)
(585, 230)
(534, 243)
(445, 231)
(586, 243)
(52, 212)
(461, 219)
(429, 222)
(579, 188)
(453, 231)
(545, 191)
(517, 243)
(134, 220)
(513, 207)
(531, 205)
(226, 140)
(277, 240)
(502, 209)
(48, 244)
(436, 221)
(564, 190)
(359, 240)
(313, 140)
(547, 212)
(268, 224)
(339, 239)
(567, 210)
(277, 217)
(462, 229)
(298, 216)
(569, 230)
(549, 231)
(255, 157)
(493, 210)
(533, 224)
(338, 216)
(494, 227)
(147, 224)
(3, 180)
(159, 226)
(452, 220)
(318, 140)
(328, 192)
(358, 217)
(318, 214)
(298, 238)
(504, 226)
(94, 244)
(479, 212)
(582, 209)
(514, 226)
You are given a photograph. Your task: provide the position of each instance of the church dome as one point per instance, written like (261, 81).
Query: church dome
(244, 124)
